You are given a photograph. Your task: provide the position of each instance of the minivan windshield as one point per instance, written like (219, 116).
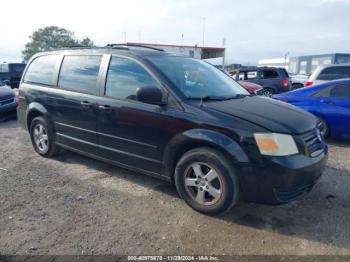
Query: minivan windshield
(197, 79)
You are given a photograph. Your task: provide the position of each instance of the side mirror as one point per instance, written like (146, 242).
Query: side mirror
(150, 95)
(6, 82)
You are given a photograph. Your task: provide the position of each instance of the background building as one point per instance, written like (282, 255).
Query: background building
(199, 52)
(305, 65)
(275, 62)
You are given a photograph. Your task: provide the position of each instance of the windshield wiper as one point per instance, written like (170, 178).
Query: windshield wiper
(237, 96)
(206, 98)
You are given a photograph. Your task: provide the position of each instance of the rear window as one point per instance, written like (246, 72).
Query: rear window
(333, 73)
(42, 70)
(79, 73)
(268, 73)
(17, 68)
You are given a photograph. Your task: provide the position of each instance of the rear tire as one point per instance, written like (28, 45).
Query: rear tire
(268, 92)
(42, 137)
(206, 180)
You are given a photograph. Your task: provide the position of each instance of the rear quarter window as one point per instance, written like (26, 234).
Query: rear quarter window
(268, 73)
(42, 70)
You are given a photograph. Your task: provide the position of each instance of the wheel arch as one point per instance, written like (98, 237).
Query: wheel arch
(34, 110)
(195, 138)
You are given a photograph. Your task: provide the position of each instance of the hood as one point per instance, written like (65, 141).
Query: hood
(6, 93)
(270, 114)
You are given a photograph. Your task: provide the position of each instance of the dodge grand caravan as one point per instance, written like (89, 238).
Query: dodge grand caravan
(172, 117)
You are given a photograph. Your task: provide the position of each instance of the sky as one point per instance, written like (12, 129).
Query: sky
(254, 29)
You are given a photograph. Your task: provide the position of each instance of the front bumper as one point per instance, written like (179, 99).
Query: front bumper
(278, 180)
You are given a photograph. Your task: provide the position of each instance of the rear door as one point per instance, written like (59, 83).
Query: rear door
(270, 78)
(73, 103)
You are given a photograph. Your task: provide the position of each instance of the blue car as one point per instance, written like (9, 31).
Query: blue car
(8, 100)
(330, 102)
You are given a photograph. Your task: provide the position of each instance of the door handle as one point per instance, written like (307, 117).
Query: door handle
(324, 101)
(86, 104)
(105, 107)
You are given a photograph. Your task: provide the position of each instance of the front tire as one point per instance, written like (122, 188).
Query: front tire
(324, 128)
(206, 181)
(42, 137)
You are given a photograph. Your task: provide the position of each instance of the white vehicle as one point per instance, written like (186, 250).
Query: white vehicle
(329, 72)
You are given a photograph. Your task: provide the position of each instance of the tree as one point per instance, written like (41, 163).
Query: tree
(86, 42)
(49, 38)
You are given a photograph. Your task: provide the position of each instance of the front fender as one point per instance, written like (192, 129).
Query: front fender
(202, 137)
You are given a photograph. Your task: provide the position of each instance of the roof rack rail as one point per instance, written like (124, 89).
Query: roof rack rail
(135, 45)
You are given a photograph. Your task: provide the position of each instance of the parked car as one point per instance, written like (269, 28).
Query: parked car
(12, 72)
(172, 117)
(8, 100)
(330, 102)
(273, 80)
(327, 73)
(251, 87)
(298, 81)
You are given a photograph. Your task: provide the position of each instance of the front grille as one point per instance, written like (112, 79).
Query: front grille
(286, 195)
(7, 101)
(313, 144)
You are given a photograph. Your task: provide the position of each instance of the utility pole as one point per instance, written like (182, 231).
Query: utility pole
(285, 59)
(203, 30)
(224, 53)
(139, 36)
(124, 33)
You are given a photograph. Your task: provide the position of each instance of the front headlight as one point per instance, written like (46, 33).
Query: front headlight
(273, 144)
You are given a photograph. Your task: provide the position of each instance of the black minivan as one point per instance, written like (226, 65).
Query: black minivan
(172, 117)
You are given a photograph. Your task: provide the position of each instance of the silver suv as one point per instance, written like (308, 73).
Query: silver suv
(329, 72)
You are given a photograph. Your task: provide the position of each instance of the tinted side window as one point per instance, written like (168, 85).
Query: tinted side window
(269, 74)
(42, 70)
(332, 73)
(80, 73)
(125, 77)
(340, 91)
(325, 92)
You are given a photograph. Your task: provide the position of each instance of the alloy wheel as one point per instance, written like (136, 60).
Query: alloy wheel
(203, 183)
(40, 137)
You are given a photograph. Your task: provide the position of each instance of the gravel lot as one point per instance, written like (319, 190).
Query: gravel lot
(74, 205)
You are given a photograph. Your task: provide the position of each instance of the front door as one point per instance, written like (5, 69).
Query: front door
(340, 100)
(131, 133)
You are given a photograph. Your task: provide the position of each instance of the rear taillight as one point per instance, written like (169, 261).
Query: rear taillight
(308, 83)
(284, 83)
(18, 94)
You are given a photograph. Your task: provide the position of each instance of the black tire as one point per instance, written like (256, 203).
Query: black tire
(324, 128)
(51, 148)
(268, 92)
(226, 182)
(297, 86)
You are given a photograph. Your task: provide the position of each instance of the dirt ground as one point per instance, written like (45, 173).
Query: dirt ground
(75, 205)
